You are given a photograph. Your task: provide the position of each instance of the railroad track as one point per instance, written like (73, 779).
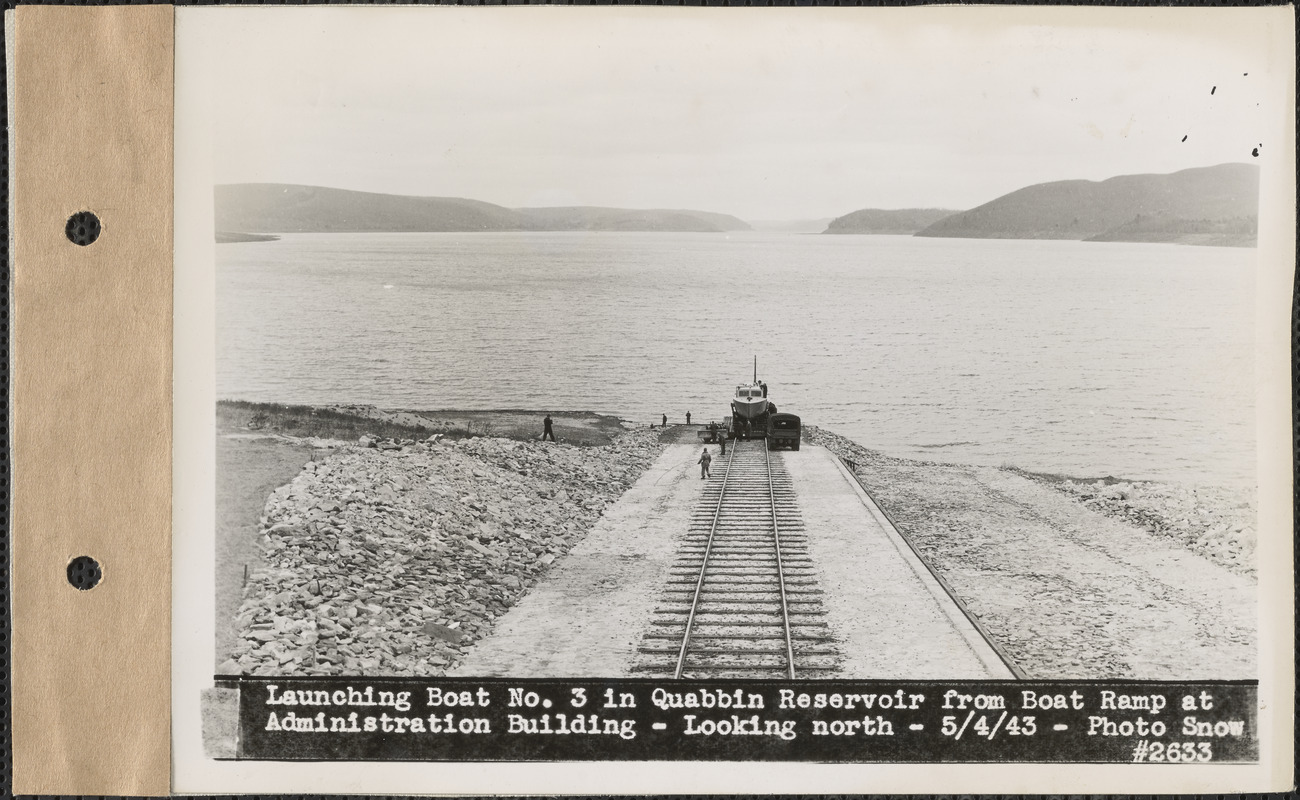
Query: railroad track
(742, 599)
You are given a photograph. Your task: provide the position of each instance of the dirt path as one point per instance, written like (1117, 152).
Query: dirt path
(248, 470)
(587, 617)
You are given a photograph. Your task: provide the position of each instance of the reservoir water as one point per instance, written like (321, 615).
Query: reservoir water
(1089, 359)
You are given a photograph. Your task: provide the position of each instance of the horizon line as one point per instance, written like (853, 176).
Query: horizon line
(726, 213)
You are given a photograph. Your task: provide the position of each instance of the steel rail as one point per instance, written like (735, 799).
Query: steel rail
(704, 567)
(780, 571)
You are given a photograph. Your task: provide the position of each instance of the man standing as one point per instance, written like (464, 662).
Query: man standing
(705, 458)
(546, 429)
(688, 418)
(665, 425)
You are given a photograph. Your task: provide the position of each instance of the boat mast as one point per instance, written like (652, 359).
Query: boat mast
(755, 369)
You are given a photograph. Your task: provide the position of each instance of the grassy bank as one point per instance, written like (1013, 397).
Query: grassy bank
(239, 416)
(351, 422)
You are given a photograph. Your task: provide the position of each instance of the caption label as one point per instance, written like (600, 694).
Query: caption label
(362, 718)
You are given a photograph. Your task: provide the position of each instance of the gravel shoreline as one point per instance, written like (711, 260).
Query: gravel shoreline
(1212, 521)
(1074, 586)
(1215, 522)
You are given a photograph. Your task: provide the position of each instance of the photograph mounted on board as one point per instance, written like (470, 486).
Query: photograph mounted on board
(823, 347)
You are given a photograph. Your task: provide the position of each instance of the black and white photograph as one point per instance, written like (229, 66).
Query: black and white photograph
(696, 350)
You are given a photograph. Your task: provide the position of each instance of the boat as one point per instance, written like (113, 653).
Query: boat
(750, 402)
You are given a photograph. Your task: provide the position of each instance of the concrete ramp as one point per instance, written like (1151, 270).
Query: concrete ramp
(893, 619)
(890, 617)
(586, 617)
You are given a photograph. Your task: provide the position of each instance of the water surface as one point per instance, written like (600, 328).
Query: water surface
(1091, 359)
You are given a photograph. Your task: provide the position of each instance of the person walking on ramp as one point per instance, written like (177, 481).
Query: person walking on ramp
(546, 429)
(705, 458)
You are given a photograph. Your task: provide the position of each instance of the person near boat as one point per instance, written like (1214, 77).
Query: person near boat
(704, 461)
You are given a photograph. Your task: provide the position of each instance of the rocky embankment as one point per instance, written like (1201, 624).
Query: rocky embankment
(393, 558)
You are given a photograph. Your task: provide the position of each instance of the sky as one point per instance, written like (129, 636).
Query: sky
(768, 114)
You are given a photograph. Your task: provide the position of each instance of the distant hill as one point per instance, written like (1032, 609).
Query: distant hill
(289, 208)
(887, 221)
(226, 237)
(285, 208)
(1216, 202)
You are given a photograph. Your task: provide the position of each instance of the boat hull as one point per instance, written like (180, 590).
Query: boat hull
(749, 408)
